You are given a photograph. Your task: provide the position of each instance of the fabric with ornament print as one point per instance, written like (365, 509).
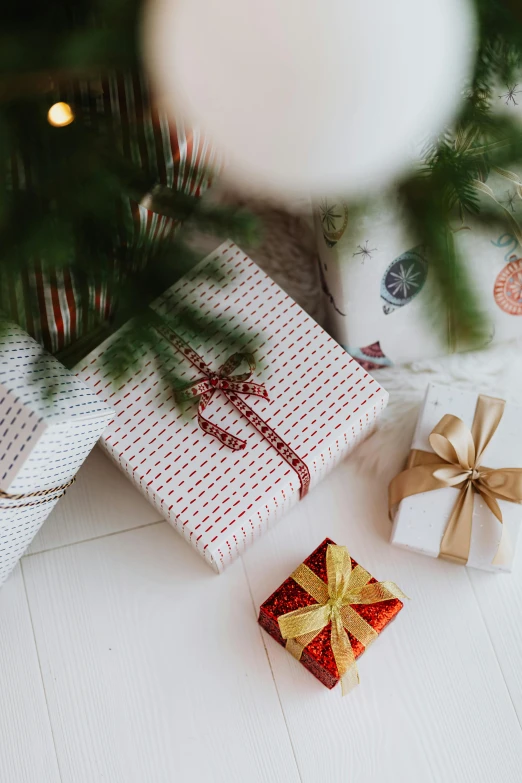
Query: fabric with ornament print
(379, 285)
(334, 220)
(508, 287)
(403, 280)
(370, 357)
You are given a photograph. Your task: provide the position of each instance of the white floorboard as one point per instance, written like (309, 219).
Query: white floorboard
(154, 666)
(27, 753)
(432, 704)
(500, 601)
(101, 501)
(155, 671)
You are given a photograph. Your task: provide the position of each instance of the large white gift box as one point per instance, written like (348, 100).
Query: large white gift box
(378, 282)
(379, 286)
(420, 520)
(219, 495)
(49, 422)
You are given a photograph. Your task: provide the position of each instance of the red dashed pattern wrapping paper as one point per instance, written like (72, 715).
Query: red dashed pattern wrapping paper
(321, 403)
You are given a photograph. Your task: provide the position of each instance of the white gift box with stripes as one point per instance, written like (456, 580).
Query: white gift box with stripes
(271, 422)
(49, 422)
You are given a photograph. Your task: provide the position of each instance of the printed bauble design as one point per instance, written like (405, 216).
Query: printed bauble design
(404, 279)
(508, 287)
(370, 357)
(334, 220)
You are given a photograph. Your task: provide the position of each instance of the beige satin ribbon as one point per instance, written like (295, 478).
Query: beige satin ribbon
(346, 586)
(457, 463)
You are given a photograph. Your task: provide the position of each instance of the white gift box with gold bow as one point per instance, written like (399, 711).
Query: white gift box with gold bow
(421, 520)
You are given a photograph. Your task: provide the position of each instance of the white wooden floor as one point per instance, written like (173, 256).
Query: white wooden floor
(124, 659)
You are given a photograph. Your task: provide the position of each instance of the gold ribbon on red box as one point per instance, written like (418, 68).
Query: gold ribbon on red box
(335, 598)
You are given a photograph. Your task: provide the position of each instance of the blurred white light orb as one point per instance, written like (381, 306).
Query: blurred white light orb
(312, 96)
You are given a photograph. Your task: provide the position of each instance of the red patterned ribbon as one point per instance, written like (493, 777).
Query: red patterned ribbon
(231, 386)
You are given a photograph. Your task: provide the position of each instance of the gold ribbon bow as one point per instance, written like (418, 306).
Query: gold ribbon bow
(457, 463)
(346, 586)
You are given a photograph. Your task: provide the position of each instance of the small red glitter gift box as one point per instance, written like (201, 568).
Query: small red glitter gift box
(328, 611)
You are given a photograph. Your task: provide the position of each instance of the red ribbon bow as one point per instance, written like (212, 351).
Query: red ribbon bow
(231, 386)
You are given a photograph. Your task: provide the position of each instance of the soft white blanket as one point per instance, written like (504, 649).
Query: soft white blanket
(496, 371)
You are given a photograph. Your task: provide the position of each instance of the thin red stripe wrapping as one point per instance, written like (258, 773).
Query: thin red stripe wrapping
(59, 321)
(123, 117)
(158, 143)
(40, 292)
(140, 120)
(142, 134)
(71, 302)
(187, 174)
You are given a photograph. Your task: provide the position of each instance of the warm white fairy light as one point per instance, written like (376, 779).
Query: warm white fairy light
(60, 114)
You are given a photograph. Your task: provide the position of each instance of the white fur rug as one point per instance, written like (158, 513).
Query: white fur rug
(496, 371)
(288, 254)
